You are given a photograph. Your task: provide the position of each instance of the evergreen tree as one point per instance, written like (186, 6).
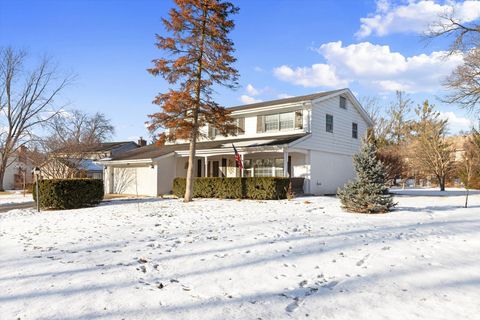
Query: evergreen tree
(368, 193)
(198, 56)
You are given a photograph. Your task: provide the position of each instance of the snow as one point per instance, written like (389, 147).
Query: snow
(14, 197)
(228, 259)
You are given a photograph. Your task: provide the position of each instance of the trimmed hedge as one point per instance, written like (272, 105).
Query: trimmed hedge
(69, 193)
(261, 188)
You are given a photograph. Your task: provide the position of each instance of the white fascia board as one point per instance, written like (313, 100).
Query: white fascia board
(276, 107)
(225, 151)
(126, 162)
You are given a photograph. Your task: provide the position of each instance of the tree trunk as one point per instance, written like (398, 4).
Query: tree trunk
(191, 162)
(193, 137)
(2, 175)
(466, 199)
(441, 182)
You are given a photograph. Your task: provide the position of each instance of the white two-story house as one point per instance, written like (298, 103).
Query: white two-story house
(312, 137)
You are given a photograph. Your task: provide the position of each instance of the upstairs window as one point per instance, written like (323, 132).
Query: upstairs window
(287, 120)
(343, 102)
(329, 123)
(354, 130)
(280, 121)
(271, 122)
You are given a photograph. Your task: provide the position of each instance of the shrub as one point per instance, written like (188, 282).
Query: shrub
(368, 193)
(261, 188)
(69, 193)
(29, 187)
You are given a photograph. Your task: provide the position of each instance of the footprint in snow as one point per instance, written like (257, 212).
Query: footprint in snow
(330, 285)
(362, 261)
(292, 307)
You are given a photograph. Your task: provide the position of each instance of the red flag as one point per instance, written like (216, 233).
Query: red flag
(238, 158)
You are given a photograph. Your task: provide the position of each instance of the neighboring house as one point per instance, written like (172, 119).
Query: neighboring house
(18, 171)
(81, 163)
(312, 137)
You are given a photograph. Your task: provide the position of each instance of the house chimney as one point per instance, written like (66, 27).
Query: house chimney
(141, 142)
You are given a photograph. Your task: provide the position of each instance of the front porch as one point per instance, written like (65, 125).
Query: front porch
(269, 162)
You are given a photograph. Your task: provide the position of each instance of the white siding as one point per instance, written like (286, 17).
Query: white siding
(331, 162)
(329, 171)
(340, 141)
(166, 171)
(141, 180)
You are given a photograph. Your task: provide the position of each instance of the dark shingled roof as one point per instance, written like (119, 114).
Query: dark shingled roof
(286, 100)
(99, 147)
(153, 151)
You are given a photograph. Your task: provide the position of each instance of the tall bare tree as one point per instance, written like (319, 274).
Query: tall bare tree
(398, 118)
(381, 124)
(199, 55)
(429, 151)
(27, 100)
(75, 129)
(463, 83)
(71, 135)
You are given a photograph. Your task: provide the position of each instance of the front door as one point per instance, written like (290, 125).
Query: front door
(215, 168)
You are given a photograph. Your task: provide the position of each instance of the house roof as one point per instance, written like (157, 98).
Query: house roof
(307, 97)
(154, 151)
(80, 164)
(99, 147)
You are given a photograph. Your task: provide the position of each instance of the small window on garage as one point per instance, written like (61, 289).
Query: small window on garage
(354, 130)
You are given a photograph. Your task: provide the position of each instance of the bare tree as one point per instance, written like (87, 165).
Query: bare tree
(429, 151)
(465, 35)
(72, 134)
(463, 83)
(27, 100)
(397, 122)
(74, 130)
(372, 105)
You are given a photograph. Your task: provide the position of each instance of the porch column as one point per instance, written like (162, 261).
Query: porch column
(285, 162)
(243, 163)
(206, 166)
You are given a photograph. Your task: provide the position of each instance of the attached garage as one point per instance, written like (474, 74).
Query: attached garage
(151, 177)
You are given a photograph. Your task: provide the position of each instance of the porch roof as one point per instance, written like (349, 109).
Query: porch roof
(154, 151)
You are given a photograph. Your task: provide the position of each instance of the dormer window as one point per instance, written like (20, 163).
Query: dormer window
(343, 102)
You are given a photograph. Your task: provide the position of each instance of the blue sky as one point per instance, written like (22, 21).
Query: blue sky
(284, 48)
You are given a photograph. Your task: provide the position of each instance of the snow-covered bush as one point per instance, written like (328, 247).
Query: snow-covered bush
(261, 188)
(369, 192)
(69, 193)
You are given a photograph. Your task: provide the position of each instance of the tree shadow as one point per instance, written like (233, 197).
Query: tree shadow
(431, 193)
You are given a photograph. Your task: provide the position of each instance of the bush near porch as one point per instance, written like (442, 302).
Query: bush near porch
(259, 188)
(69, 193)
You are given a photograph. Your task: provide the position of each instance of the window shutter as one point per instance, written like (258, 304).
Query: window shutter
(241, 126)
(298, 120)
(260, 126)
(211, 131)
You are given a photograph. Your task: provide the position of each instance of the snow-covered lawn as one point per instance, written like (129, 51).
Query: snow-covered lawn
(14, 197)
(227, 259)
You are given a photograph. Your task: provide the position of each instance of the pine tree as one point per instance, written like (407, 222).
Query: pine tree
(368, 193)
(199, 56)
